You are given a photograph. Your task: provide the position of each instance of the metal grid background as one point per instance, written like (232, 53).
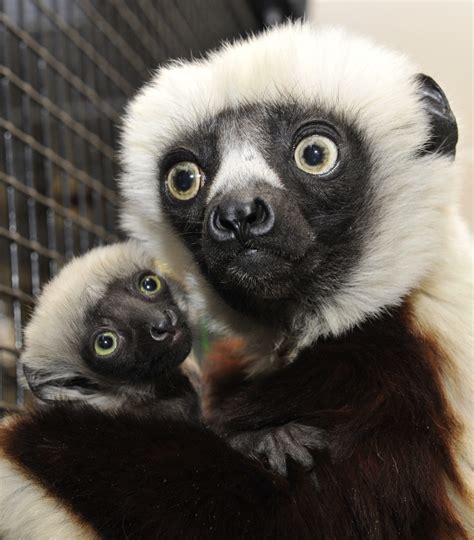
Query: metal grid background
(67, 67)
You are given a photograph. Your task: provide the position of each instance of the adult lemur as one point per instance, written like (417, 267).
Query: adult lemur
(305, 183)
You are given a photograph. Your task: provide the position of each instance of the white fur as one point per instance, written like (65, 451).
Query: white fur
(444, 310)
(242, 164)
(29, 512)
(329, 68)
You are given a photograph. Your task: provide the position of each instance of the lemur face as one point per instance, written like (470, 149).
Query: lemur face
(110, 330)
(271, 200)
(136, 332)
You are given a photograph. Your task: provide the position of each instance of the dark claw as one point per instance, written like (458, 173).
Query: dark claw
(276, 445)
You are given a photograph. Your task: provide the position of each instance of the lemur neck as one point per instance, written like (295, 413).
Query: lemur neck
(171, 395)
(176, 396)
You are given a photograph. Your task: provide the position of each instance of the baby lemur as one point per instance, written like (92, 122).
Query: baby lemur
(110, 331)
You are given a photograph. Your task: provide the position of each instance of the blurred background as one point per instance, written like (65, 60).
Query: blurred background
(67, 68)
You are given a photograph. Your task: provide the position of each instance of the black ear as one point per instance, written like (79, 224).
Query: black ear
(46, 387)
(444, 129)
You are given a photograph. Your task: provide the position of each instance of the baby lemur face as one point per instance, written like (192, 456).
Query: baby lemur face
(136, 332)
(110, 330)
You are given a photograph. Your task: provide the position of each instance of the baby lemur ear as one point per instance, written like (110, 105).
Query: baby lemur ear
(444, 129)
(50, 387)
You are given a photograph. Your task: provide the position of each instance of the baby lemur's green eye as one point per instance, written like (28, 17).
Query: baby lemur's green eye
(105, 343)
(150, 284)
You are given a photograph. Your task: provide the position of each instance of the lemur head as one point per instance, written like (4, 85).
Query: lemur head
(302, 176)
(107, 329)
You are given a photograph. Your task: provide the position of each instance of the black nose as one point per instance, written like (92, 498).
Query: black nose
(242, 220)
(161, 328)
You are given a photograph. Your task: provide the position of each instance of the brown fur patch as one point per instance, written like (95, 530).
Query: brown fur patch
(223, 371)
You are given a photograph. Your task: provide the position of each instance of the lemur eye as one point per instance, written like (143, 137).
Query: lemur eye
(150, 285)
(105, 343)
(316, 154)
(184, 180)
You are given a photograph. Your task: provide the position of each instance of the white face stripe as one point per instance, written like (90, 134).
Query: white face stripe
(241, 165)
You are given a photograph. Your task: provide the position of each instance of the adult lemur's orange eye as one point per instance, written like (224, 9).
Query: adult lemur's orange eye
(150, 285)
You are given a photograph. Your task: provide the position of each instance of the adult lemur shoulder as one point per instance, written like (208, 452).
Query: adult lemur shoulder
(304, 180)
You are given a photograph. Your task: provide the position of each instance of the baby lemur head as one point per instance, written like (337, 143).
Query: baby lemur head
(110, 330)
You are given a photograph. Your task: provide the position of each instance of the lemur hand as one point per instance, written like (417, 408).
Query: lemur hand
(275, 445)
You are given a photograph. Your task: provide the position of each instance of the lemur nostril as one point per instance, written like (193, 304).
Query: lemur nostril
(261, 213)
(173, 318)
(216, 220)
(158, 334)
(251, 219)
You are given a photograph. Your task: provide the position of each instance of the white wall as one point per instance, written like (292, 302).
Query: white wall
(438, 35)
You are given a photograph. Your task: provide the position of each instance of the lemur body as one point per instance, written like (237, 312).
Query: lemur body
(305, 182)
(77, 473)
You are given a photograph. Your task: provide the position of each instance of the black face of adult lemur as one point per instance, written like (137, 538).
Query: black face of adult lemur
(288, 229)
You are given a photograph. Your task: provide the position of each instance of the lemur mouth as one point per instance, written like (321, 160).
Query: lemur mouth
(251, 250)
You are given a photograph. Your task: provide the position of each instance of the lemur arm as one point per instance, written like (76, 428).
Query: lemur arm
(389, 430)
(235, 412)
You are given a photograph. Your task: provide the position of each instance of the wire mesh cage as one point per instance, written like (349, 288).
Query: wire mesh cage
(67, 68)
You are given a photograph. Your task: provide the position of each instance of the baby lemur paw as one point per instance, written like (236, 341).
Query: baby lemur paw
(274, 446)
